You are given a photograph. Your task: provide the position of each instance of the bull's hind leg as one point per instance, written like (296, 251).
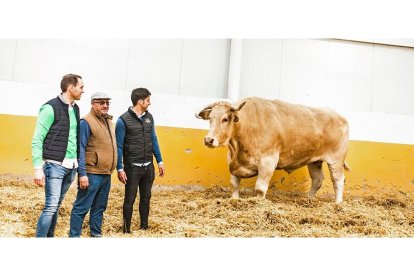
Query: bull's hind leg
(235, 182)
(316, 174)
(336, 169)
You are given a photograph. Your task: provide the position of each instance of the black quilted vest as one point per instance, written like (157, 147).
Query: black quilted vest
(138, 138)
(56, 141)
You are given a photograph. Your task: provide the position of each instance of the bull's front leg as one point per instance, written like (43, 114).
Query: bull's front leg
(266, 168)
(235, 182)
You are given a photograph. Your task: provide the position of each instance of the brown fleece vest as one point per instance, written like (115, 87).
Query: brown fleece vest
(100, 152)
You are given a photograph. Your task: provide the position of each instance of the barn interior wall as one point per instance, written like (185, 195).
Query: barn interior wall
(368, 83)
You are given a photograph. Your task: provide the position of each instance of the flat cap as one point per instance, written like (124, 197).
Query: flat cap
(100, 95)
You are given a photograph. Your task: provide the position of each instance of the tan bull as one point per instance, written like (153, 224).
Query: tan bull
(264, 135)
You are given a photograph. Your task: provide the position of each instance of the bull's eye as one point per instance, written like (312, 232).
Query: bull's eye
(224, 120)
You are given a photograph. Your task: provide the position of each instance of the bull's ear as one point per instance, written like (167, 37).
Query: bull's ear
(237, 108)
(204, 114)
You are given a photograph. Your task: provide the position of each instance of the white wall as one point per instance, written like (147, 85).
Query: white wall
(332, 73)
(393, 80)
(204, 68)
(43, 60)
(165, 66)
(102, 63)
(155, 64)
(7, 58)
(261, 68)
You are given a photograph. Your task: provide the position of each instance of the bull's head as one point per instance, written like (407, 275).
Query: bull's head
(222, 116)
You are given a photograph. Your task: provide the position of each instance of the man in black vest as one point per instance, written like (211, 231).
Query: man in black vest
(55, 150)
(137, 143)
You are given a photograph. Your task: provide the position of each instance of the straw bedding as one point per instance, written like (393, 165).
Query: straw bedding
(191, 211)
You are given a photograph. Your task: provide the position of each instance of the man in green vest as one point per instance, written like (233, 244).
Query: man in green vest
(97, 161)
(55, 150)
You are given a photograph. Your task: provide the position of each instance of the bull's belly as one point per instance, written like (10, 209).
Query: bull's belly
(244, 171)
(251, 170)
(291, 165)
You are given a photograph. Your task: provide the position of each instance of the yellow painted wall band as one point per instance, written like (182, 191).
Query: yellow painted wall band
(375, 166)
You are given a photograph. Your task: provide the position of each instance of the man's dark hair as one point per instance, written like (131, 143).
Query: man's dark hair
(139, 94)
(68, 80)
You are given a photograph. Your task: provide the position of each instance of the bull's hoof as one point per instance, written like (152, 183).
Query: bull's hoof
(260, 194)
(235, 196)
(338, 199)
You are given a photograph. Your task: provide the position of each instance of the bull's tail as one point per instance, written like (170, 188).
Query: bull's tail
(346, 166)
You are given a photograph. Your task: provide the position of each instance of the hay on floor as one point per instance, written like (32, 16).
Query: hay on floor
(197, 212)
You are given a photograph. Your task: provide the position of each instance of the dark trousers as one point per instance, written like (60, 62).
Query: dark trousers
(142, 178)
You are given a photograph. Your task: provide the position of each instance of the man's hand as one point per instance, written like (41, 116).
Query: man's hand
(122, 176)
(83, 182)
(39, 177)
(161, 169)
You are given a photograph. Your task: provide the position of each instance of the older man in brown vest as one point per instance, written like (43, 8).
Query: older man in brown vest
(96, 163)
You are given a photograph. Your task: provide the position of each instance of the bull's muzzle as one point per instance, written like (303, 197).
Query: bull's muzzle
(208, 141)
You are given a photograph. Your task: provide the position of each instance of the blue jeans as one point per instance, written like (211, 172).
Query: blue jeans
(95, 198)
(57, 183)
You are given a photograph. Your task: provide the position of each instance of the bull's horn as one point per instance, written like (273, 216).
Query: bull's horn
(205, 112)
(237, 108)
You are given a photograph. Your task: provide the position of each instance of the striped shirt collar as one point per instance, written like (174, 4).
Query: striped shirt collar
(64, 100)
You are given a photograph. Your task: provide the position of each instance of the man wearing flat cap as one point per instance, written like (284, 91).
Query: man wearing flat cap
(97, 160)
